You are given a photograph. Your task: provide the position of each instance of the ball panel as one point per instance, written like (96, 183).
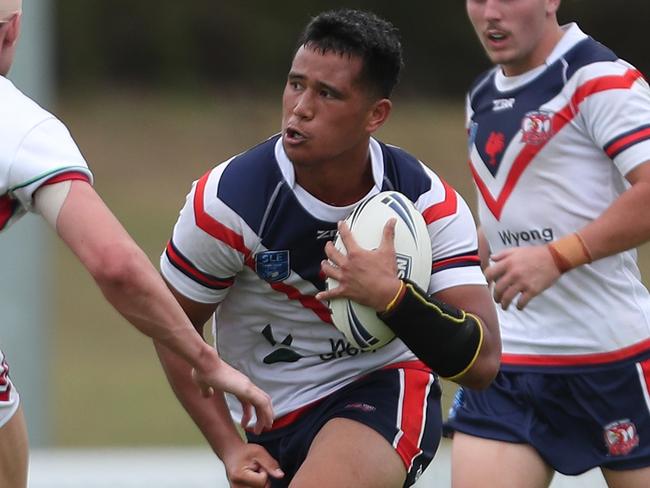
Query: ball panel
(359, 323)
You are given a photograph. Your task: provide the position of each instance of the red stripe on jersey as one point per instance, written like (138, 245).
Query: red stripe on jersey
(219, 231)
(576, 359)
(412, 421)
(307, 301)
(560, 119)
(69, 176)
(212, 226)
(4, 382)
(470, 258)
(630, 139)
(7, 208)
(442, 209)
(205, 279)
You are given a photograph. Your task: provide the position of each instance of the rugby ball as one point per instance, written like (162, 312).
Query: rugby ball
(359, 323)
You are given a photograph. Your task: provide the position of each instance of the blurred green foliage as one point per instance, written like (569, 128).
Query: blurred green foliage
(248, 44)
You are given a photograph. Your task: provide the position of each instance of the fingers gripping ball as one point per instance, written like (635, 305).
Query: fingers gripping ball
(360, 323)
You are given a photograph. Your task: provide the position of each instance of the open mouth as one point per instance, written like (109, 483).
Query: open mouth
(496, 37)
(294, 135)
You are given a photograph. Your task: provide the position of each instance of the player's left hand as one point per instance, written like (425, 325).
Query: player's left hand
(527, 271)
(226, 378)
(368, 277)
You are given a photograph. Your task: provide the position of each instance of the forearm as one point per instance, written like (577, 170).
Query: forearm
(138, 293)
(624, 225)
(122, 271)
(461, 345)
(211, 415)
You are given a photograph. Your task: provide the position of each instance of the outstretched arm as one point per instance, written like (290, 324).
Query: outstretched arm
(132, 285)
(247, 465)
(455, 331)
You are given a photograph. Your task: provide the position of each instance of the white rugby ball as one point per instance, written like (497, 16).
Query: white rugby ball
(360, 323)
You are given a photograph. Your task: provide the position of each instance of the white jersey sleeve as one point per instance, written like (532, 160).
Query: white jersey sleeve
(454, 242)
(46, 151)
(35, 148)
(208, 247)
(617, 113)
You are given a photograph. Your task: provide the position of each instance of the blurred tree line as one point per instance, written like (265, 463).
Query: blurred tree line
(248, 44)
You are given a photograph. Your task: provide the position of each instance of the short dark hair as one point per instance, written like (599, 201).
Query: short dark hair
(358, 33)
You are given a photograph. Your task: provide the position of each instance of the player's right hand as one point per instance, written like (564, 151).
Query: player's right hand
(224, 377)
(252, 467)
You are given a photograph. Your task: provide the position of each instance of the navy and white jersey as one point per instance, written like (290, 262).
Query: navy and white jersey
(549, 151)
(251, 239)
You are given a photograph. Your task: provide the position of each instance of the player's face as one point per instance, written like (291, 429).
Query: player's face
(327, 115)
(516, 34)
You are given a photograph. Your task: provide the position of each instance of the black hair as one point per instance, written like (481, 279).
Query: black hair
(358, 33)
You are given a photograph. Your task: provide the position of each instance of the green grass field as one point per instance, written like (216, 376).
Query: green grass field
(145, 151)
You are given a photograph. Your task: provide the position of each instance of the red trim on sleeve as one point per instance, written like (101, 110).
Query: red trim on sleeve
(69, 176)
(199, 276)
(615, 148)
(442, 209)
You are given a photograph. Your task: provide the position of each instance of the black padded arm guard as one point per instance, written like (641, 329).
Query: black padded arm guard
(446, 339)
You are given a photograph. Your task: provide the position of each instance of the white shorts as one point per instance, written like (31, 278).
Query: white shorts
(9, 398)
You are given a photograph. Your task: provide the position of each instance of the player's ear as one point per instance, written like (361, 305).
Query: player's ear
(378, 114)
(552, 6)
(13, 31)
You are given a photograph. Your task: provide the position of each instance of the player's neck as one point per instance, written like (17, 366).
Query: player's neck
(539, 55)
(337, 183)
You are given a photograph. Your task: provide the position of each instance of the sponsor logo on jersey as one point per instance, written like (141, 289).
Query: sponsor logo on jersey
(536, 127)
(282, 354)
(340, 348)
(272, 266)
(621, 437)
(502, 104)
(512, 238)
(329, 234)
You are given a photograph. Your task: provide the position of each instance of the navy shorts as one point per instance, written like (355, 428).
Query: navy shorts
(575, 421)
(401, 404)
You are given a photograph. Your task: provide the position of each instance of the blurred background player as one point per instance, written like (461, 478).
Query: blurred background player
(559, 139)
(42, 170)
(248, 248)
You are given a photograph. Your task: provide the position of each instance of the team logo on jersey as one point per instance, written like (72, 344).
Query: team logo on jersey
(494, 146)
(272, 266)
(621, 437)
(536, 127)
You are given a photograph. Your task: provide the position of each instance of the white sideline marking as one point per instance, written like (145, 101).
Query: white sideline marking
(192, 468)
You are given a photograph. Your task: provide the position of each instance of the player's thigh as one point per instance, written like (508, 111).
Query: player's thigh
(14, 452)
(349, 454)
(488, 463)
(633, 478)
